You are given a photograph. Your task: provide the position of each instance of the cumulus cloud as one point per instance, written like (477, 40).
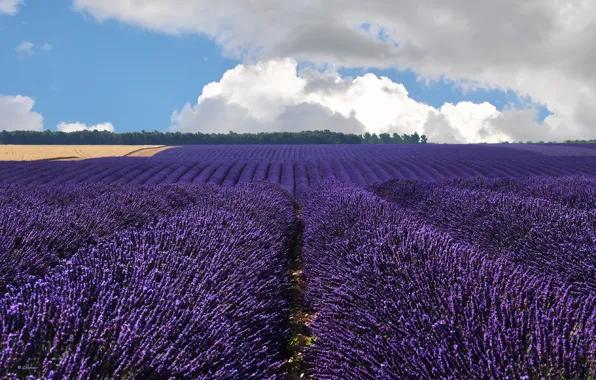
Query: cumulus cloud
(46, 47)
(265, 97)
(10, 7)
(16, 114)
(24, 48)
(77, 127)
(274, 96)
(536, 48)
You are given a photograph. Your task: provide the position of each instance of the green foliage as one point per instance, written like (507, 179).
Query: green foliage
(176, 138)
(580, 141)
(310, 341)
(293, 343)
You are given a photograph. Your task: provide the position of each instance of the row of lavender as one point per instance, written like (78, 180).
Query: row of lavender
(169, 282)
(575, 192)
(431, 280)
(296, 176)
(42, 225)
(545, 236)
(377, 152)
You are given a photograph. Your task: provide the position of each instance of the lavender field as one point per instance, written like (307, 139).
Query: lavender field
(298, 167)
(288, 262)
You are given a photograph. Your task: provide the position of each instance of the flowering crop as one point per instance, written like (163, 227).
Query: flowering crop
(366, 152)
(578, 192)
(430, 262)
(41, 225)
(201, 293)
(544, 236)
(285, 165)
(397, 298)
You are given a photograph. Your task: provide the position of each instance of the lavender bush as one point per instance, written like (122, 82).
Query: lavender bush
(545, 237)
(396, 298)
(199, 294)
(578, 192)
(41, 225)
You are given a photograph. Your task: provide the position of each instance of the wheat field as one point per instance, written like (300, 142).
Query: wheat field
(75, 152)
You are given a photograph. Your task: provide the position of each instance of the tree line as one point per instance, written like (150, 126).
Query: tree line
(94, 137)
(580, 141)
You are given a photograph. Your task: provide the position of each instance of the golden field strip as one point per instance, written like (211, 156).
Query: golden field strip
(75, 152)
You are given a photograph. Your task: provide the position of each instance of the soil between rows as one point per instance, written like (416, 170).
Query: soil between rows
(300, 313)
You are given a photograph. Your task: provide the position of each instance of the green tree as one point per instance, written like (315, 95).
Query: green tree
(396, 138)
(385, 138)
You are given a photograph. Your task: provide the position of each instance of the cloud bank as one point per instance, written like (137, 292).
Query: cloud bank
(16, 114)
(77, 127)
(537, 48)
(274, 96)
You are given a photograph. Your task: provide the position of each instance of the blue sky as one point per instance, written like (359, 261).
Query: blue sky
(103, 72)
(119, 71)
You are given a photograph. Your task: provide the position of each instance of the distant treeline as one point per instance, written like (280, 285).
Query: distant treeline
(176, 138)
(580, 141)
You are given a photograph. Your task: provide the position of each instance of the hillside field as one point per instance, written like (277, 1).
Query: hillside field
(75, 152)
(301, 262)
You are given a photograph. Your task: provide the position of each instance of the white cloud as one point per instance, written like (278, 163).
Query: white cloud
(77, 127)
(24, 48)
(273, 96)
(16, 114)
(537, 48)
(10, 7)
(28, 48)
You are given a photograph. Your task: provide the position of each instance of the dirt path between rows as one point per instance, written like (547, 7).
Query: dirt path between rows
(300, 314)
